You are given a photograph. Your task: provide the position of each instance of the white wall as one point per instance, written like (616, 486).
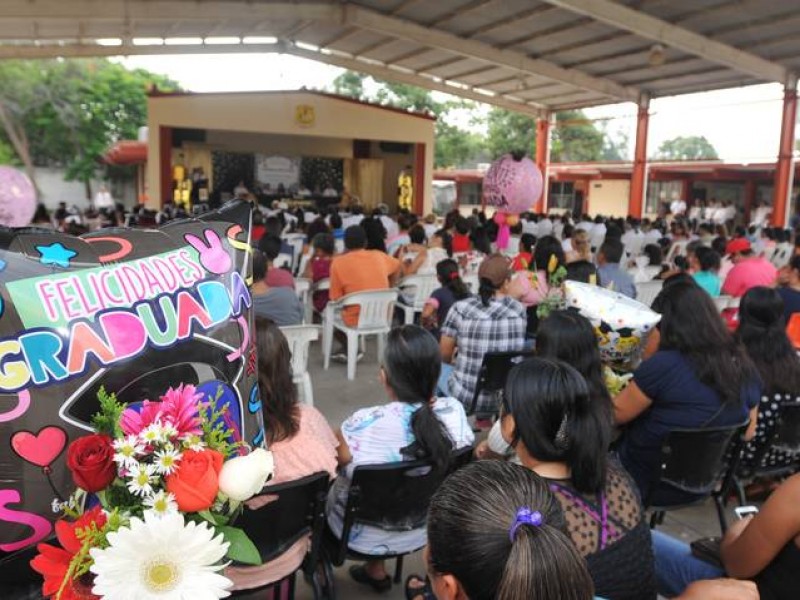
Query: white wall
(609, 197)
(53, 188)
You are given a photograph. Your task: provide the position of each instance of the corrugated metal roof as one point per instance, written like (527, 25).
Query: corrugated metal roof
(528, 55)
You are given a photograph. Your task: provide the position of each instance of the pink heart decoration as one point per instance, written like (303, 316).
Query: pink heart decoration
(41, 448)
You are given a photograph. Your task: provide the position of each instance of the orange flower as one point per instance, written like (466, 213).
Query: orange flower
(196, 482)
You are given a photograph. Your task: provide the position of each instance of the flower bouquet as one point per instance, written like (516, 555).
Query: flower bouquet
(158, 489)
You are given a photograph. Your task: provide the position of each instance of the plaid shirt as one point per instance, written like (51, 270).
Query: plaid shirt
(479, 329)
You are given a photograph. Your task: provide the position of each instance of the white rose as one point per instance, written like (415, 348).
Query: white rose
(244, 476)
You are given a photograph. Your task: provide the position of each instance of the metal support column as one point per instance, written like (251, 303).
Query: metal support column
(543, 159)
(639, 175)
(784, 168)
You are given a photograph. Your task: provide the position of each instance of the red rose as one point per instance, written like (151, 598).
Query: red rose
(91, 460)
(196, 482)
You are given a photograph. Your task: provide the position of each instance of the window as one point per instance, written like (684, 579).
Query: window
(562, 195)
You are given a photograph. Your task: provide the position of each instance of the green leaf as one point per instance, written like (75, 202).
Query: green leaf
(241, 548)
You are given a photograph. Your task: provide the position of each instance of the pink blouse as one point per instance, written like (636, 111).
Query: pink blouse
(528, 291)
(310, 450)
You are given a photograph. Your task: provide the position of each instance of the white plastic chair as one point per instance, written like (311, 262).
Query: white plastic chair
(723, 302)
(320, 286)
(296, 241)
(282, 261)
(300, 338)
(303, 288)
(376, 308)
(416, 289)
(647, 291)
(472, 282)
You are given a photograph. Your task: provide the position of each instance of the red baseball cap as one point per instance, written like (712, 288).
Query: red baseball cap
(737, 245)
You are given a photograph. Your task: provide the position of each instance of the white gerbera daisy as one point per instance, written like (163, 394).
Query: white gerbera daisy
(128, 448)
(161, 503)
(161, 558)
(167, 460)
(141, 480)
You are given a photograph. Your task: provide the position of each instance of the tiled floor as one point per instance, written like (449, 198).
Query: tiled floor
(337, 397)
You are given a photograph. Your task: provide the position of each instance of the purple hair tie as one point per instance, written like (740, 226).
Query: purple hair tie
(525, 517)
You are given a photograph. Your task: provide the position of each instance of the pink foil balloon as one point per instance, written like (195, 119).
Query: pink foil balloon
(17, 198)
(512, 185)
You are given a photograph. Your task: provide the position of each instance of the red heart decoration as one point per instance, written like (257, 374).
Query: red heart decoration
(41, 448)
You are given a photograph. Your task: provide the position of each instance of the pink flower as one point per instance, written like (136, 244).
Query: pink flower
(178, 407)
(133, 422)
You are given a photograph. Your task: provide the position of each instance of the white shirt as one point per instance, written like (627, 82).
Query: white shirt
(633, 241)
(545, 227)
(678, 207)
(597, 235)
(531, 227)
(430, 229)
(377, 435)
(587, 226)
(558, 229)
(392, 229)
(652, 237)
(352, 220)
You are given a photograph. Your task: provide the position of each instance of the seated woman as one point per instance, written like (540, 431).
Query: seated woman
(764, 549)
(442, 299)
(495, 532)
(561, 432)
(414, 424)
(522, 261)
(421, 259)
(581, 248)
(489, 322)
(700, 376)
(300, 439)
(531, 287)
(319, 267)
(568, 336)
(762, 331)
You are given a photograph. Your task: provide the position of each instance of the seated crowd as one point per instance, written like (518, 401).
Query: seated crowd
(554, 504)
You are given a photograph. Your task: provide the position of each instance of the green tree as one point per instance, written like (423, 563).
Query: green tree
(574, 137)
(66, 113)
(455, 146)
(691, 147)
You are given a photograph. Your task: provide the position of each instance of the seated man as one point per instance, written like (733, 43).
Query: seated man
(280, 304)
(748, 270)
(613, 276)
(359, 270)
(277, 276)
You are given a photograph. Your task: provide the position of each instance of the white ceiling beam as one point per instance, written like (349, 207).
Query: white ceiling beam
(165, 10)
(400, 28)
(380, 71)
(93, 50)
(658, 30)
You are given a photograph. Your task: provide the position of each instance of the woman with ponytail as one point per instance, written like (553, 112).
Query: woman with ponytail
(560, 429)
(442, 299)
(413, 425)
(495, 532)
(490, 322)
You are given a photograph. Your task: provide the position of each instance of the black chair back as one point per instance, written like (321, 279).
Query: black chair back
(297, 510)
(696, 460)
(394, 496)
(494, 372)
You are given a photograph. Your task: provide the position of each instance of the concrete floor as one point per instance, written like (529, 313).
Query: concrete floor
(337, 398)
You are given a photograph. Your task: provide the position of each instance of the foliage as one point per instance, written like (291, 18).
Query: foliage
(574, 138)
(107, 419)
(692, 147)
(216, 426)
(70, 111)
(455, 146)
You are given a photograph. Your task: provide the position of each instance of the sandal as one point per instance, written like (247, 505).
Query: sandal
(360, 575)
(424, 592)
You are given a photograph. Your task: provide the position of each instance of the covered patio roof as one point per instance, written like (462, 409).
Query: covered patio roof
(532, 56)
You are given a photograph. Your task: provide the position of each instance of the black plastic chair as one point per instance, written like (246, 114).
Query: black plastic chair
(392, 497)
(696, 464)
(298, 510)
(785, 437)
(494, 372)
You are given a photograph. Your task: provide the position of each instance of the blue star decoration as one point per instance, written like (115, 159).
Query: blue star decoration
(56, 255)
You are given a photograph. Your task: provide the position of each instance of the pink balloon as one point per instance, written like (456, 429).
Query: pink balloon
(17, 198)
(512, 185)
